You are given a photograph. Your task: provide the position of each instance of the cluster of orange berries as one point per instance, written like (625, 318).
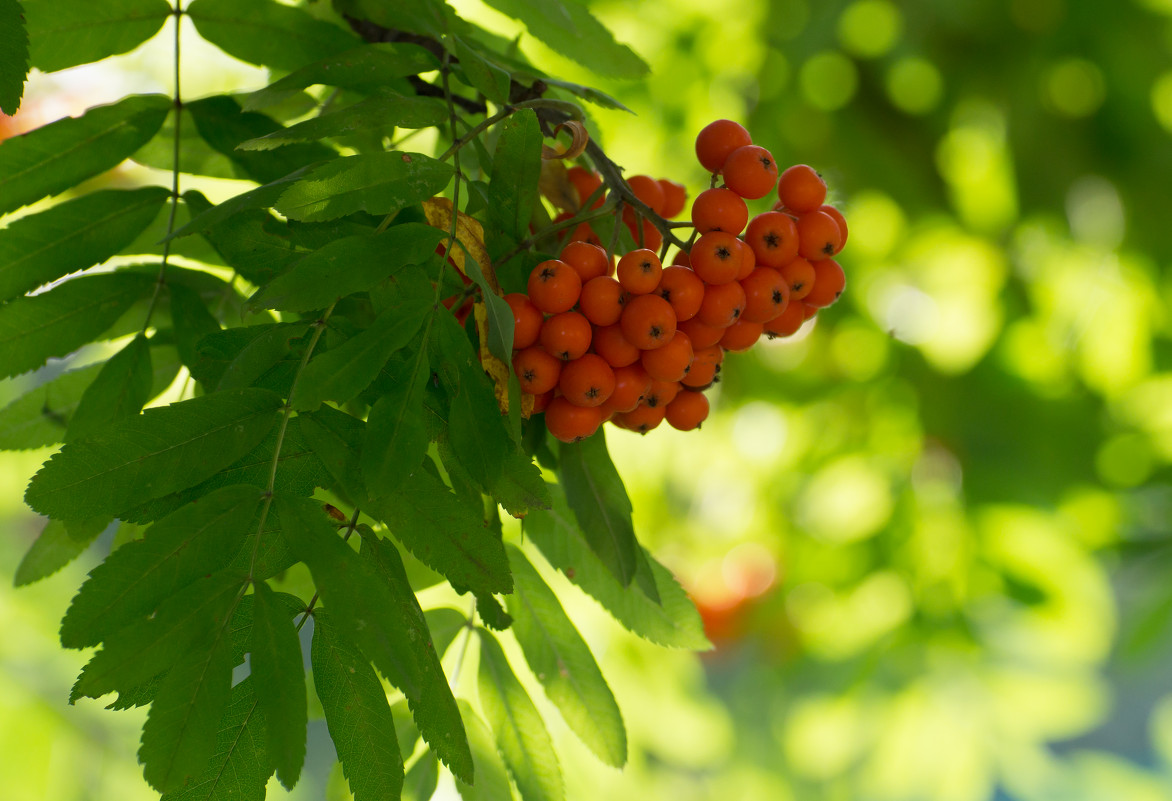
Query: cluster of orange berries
(637, 343)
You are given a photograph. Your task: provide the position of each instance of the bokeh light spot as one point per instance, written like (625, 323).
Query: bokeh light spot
(1074, 88)
(829, 80)
(869, 28)
(1162, 100)
(914, 85)
(1125, 460)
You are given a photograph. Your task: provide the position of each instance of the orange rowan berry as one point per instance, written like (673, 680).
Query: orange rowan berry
(602, 300)
(766, 295)
(537, 371)
(818, 236)
(799, 274)
(648, 322)
(836, 215)
(717, 140)
(641, 419)
(527, 320)
(651, 238)
(566, 335)
(773, 236)
(662, 392)
(671, 362)
(687, 411)
(631, 383)
(719, 209)
(788, 322)
(701, 334)
(683, 289)
(541, 402)
(748, 261)
(829, 281)
(585, 183)
(722, 305)
(808, 311)
(610, 343)
(649, 191)
(716, 257)
(569, 422)
(682, 258)
(554, 286)
(750, 171)
(588, 260)
(741, 335)
(639, 271)
(587, 380)
(675, 197)
(584, 233)
(800, 189)
(705, 365)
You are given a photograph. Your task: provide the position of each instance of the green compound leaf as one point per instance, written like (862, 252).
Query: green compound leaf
(161, 451)
(275, 663)
(50, 552)
(492, 782)
(65, 33)
(595, 492)
(14, 64)
(239, 768)
(415, 16)
(269, 347)
(342, 372)
(179, 736)
(422, 779)
(368, 67)
(383, 113)
(570, 29)
(62, 154)
(396, 438)
(195, 540)
(446, 532)
(36, 328)
(73, 235)
(268, 33)
(348, 265)
(336, 438)
(520, 732)
(357, 714)
(253, 242)
(512, 186)
(368, 604)
(434, 709)
(188, 621)
(221, 123)
(562, 662)
(120, 391)
(481, 74)
(259, 198)
(377, 183)
(674, 622)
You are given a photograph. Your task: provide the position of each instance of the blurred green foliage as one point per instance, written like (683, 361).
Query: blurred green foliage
(931, 532)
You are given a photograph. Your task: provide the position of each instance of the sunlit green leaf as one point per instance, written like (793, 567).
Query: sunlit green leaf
(14, 53)
(492, 782)
(369, 66)
(562, 662)
(377, 183)
(357, 714)
(512, 185)
(383, 113)
(65, 33)
(196, 540)
(520, 732)
(36, 328)
(481, 73)
(161, 451)
(120, 390)
(73, 235)
(275, 663)
(268, 33)
(396, 440)
(52, 550)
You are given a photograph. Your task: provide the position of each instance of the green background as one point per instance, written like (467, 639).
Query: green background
(930, 531)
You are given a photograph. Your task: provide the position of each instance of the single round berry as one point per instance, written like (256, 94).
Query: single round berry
(788, 322)
(610, 343)
(566, 335)
(705, 364)
(639, 271)
(569, 422)
(829, 282)
(766, 295)
(739, 336)
(717, 140)
(631, 383)
(722, 305)
(750, 171)
(719, 209)
(588, 260)
(649, 191)
(671, 362)
(675, 198)
(641, 419)
(701, 334)
(602, 300)
(819, 236)
(527, 320)
(648, 322)
(587, 381)
(683, 289)
(800, 189)
(537, 371)
(585, 184)
(836, 215)
(716, 257)
(662, 392)
(554, 286)
(687, 411)
(799, 274)
(773, 236)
